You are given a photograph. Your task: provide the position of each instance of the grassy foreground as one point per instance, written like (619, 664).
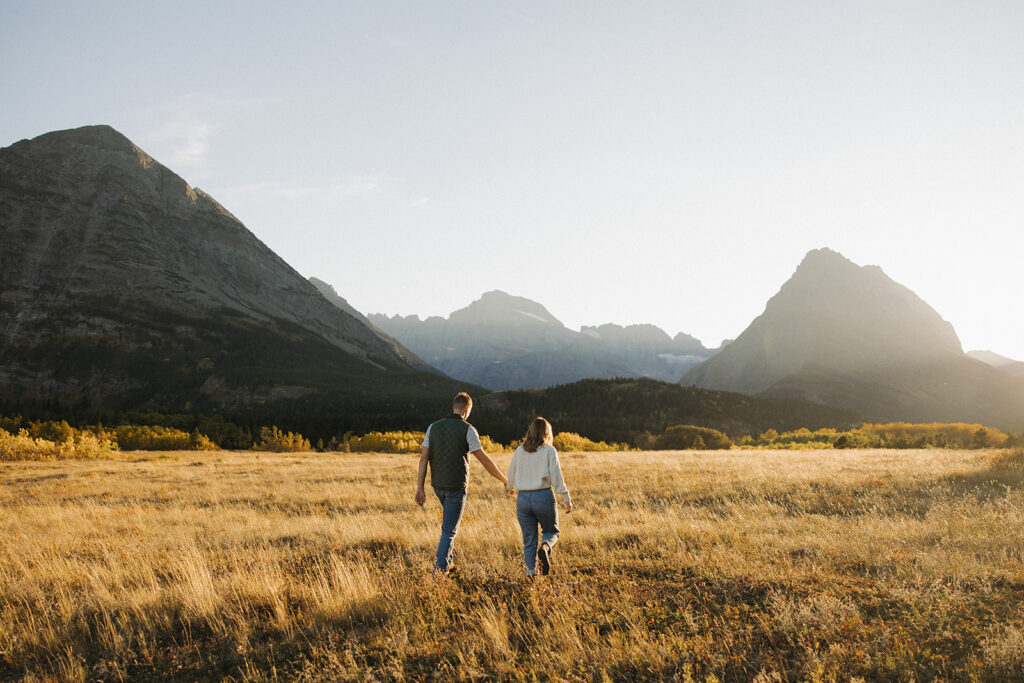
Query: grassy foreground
(735, 565)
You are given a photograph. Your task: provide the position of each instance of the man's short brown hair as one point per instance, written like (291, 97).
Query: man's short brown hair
(461, 400)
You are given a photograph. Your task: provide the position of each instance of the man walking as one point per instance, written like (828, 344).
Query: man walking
(446, 447)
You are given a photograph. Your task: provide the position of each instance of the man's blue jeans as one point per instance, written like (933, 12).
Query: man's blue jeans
(533, 508)
(453, 502)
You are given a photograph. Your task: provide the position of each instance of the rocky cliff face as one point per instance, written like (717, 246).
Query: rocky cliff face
(502, 342)
(849, 336)
(112, 267)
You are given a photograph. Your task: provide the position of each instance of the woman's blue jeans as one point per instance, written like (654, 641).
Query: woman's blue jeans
(535, 508)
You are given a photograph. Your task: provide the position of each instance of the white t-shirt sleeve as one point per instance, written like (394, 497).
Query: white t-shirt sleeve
(473, 438)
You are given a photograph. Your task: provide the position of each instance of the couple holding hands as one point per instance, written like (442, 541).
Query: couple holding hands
(533, 473)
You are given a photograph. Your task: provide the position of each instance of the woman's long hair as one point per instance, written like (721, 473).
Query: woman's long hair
(539, 433)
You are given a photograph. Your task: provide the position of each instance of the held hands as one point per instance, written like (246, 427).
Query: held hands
(421, 497)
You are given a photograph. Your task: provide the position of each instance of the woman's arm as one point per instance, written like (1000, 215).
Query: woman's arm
(557, 481)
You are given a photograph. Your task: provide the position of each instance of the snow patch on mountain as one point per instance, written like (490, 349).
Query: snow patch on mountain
(531, 315)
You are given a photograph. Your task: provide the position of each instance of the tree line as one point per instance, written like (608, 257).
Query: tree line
(50, 439)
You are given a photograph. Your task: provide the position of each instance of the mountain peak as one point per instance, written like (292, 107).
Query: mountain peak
(102, 152)
(101, 137)
(500, 308)
(825, 262)
(824, 255)
(835, 320)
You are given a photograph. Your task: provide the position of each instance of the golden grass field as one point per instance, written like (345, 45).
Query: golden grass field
(730, 565)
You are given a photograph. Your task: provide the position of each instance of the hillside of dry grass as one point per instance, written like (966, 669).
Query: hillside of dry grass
(811, 565)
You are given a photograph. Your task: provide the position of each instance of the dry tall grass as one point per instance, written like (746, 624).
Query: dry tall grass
(737, 565)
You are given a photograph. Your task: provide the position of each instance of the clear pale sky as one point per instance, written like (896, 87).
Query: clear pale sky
(627, 162)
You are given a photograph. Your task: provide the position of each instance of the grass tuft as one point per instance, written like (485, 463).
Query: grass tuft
(1010, 459)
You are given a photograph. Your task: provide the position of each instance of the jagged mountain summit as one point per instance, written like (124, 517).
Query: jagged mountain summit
(501, 341)
(849, 336)
(121, 285)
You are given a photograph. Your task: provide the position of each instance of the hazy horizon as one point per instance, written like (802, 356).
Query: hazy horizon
(661, 163)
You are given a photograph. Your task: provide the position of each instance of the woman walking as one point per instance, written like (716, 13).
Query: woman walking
(533, 472)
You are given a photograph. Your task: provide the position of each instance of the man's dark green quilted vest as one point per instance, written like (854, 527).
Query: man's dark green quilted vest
(449, 453)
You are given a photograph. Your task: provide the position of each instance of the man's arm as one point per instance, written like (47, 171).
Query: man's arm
(421, 476)
(489, 465)
(510, 485)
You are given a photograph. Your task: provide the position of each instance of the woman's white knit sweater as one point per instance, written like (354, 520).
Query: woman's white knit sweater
(539, 470)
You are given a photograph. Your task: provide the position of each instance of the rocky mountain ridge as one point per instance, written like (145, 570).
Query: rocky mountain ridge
(501, 341)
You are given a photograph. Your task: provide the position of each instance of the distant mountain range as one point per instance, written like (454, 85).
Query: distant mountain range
(850, 337)
(122, 286)
(502, 342)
